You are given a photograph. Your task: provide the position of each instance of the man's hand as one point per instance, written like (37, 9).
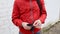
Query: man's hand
(24, 24)
(37, 24)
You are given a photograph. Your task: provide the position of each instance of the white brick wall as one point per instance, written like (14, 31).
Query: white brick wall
(6, 25)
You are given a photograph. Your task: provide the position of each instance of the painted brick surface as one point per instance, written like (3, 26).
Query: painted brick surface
(6, 26)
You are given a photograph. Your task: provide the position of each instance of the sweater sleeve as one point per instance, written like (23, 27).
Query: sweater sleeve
(15, 15)
(43, 12)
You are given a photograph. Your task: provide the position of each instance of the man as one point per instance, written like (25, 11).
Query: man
(28, 12)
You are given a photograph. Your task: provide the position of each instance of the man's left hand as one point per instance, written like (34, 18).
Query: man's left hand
(37, 24)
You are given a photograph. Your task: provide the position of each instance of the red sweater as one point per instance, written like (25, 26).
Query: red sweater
(22, 13)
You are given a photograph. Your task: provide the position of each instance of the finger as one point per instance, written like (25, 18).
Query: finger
(27, 28)
(35, 24)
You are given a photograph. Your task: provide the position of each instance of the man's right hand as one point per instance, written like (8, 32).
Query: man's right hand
(24, 24)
